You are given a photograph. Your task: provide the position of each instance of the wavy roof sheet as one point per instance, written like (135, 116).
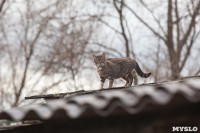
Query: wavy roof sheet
(132, 100)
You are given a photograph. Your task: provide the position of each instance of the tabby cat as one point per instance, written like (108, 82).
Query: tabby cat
(114, 68)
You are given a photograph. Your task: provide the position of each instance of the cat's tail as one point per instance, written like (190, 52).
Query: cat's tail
(140, 73)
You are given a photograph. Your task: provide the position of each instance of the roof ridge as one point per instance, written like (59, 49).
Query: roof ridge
(82, 92)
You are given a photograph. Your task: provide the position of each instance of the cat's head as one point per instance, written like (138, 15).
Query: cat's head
(99, 61)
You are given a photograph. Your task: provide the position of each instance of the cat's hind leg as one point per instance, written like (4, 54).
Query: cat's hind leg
(130, 80)
(111, 80)
(111, 83)
(127, 81)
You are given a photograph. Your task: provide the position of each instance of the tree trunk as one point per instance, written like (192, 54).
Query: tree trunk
(173, 57)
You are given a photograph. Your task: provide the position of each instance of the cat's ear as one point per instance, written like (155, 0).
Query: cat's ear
(104, 55)
(94, 56)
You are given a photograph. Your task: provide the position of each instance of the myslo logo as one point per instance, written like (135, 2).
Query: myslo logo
(184, 129)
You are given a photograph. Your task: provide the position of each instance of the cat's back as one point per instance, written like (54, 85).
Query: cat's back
(122, 66)
(121, 60)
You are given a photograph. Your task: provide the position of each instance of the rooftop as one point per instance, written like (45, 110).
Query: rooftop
(142, 100)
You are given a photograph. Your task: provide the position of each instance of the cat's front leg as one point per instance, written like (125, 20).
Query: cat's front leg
(102, 82)
(111, 82)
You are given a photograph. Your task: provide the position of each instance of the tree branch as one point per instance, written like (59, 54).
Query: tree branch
(154, 17)
(170, 43)
(28, 57)
(177, 23)
(145, 23)
(120, 12)
(108, 25)
(197, 73)
(2, 4)
(108, 48)
(192, 40)
(191, 25)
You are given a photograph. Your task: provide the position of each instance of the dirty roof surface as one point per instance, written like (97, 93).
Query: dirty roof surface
(132, 100)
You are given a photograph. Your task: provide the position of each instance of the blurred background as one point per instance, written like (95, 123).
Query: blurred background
(46, 46)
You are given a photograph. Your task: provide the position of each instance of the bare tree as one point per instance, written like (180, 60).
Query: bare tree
(24, 51)
(69, 54)
(175, 26)
(176, 37)
(44, 47)
(119, 7)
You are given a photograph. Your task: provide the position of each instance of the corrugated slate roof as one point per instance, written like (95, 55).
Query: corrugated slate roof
(132, 100)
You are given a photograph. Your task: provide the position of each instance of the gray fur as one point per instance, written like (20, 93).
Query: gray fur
(114, 68)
